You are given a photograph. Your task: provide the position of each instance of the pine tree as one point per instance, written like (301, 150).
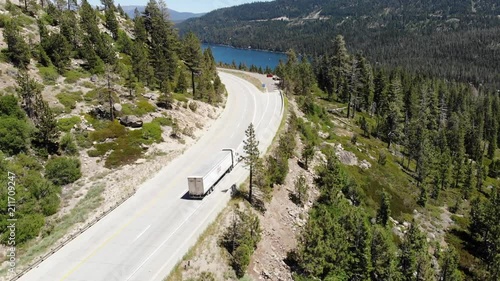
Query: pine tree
(251, 148)
(70, 29)
(18, 50)
(384, 212)
(394, 116)
(382, 256)
(141, 35)
(449, 266)
(192, 57)
(111, 22)
(301, 189)
(341, 67)
(47, 133)
(308, 153)
(181, 86)
(29, 91)
(469, 181)
(88, 22)
(59, 50)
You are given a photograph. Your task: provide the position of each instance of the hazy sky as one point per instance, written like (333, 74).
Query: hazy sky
(194, 6)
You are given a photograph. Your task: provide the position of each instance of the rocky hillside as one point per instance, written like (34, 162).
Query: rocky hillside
(436, 37)
(91, 105)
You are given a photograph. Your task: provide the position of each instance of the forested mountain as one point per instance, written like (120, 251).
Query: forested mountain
(449, 39)
(442, 138)
(174, 16)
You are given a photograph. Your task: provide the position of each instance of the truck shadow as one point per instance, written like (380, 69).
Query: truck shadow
(186, 196)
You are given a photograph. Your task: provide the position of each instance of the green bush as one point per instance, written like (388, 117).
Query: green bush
(3, 20)
(241, 259)
(65, 124)
(88, 84)
(14, 135)
(63, 170)
(28, 227)
(9, 107)
(494, 169)
(151, 132)
(139, 109)
(163, 121)
(111, 131)
(68, 144)
(49, 74)
(69, 99)
(124, 153)
(50, 204)
(72, 76)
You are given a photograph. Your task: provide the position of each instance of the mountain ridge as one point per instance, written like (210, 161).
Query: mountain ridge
(410, 34)
(175, 16)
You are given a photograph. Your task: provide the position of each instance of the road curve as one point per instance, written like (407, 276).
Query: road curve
(148, 234)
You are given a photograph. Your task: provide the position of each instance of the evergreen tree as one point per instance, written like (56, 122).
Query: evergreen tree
(469, 181)
(181, 86)
(384, 212)
(192, 56)
(111, 22)
(308, 153)
(449, 266)
(301, 189)
(18, 50)
(394, 116)
(383, 256)
(140, 32)
(341, 67)
(59, 50)
(29, 91)
(251, 148)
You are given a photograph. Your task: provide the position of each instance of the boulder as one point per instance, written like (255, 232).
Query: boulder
(117, 107)
(93, 78)
(131, 121)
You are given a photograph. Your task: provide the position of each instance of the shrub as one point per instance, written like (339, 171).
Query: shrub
(123, 154)
(111, 131)
(241, 259)
(49, 74)
(68, 144)
(88, 84)
(9, 107)
(65, 124)
(382, 158)
(72, 76)
(69, 99)
(63, 170)
(27, 227)
(143, 107)
(163, 121)
(151, 132)
(14, 135)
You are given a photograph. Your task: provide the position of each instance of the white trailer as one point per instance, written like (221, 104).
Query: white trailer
(204, 180)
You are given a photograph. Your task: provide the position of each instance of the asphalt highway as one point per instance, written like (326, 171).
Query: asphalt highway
(147, 235)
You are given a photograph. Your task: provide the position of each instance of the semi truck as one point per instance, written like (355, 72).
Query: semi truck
(204, 179)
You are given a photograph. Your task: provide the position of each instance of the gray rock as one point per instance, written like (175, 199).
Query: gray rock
(117, 107)
(131, 121)
(93, 78)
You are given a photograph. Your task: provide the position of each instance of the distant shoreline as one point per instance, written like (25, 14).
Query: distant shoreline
(244, 49)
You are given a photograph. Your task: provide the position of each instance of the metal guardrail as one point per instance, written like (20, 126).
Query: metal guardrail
(72, 237)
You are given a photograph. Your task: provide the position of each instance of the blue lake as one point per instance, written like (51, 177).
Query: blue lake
(258, 58)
